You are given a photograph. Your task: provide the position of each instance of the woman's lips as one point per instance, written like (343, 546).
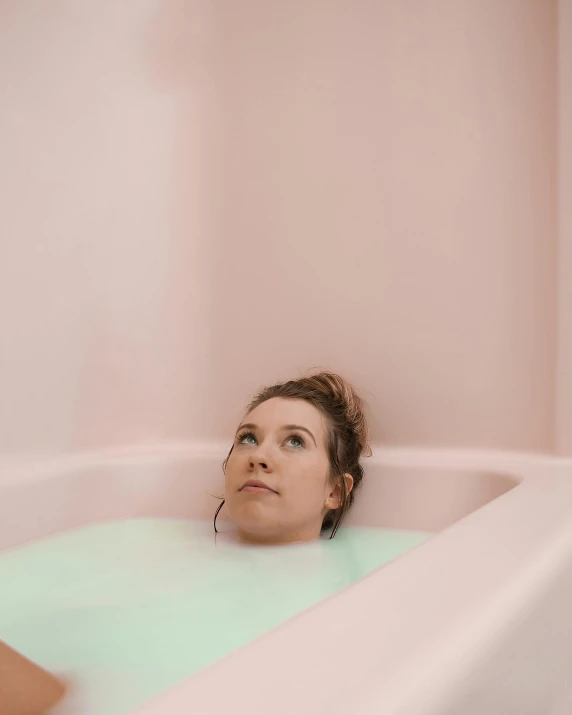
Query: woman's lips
(254, 486)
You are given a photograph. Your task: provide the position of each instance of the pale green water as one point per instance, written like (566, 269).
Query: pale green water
(129, 608)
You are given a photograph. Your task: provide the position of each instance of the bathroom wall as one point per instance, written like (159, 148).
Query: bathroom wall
(388, 210)
(201, 196)
(564, 382)
(103, 222)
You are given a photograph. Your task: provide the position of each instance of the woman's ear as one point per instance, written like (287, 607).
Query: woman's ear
(349, 482)
(335, 497)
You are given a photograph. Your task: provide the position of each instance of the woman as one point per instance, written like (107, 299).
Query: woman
(293, 468)
(291, 474)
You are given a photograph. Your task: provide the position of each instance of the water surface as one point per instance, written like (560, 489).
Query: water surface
(128, 608)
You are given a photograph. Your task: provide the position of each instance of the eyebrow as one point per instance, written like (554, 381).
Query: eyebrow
(246, 425)
(302, 429)
(252, 426)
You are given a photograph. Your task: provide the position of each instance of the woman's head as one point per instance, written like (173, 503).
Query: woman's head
(294, 465)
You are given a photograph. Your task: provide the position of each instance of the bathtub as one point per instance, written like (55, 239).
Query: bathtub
(476, 620)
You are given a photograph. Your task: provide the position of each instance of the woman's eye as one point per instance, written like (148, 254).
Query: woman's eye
(247, 439)
(296, 442)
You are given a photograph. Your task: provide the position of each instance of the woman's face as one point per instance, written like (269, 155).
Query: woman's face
(278, 486)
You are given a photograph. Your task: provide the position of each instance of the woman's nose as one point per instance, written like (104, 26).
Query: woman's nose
(260, 459)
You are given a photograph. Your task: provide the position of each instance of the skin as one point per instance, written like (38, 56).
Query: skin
(282, 443)
(25, 688)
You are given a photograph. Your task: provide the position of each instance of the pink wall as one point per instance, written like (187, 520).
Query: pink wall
(564, 381)
(201, 197)
(388, 210)
(102, 305)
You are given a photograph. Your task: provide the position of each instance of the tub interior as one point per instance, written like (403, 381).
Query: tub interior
(425, 498)
(46, 501)
(112, 575)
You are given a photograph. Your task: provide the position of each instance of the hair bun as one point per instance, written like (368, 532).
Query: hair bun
(353, 406)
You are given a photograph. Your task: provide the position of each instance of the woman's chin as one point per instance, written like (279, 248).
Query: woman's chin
(258, 523)
(257, 531)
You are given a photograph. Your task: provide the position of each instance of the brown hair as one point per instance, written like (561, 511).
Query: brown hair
(347, 429)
